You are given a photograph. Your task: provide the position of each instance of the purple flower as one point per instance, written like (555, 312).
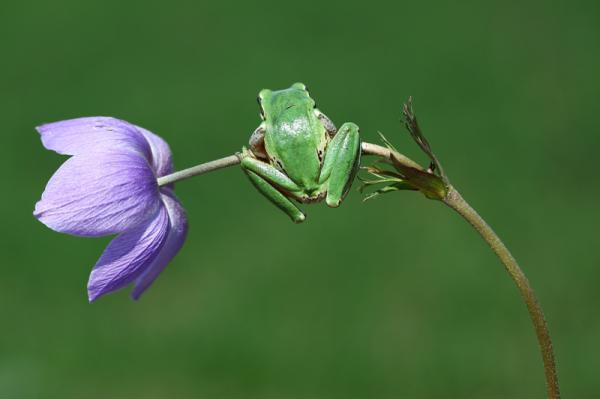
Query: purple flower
(109, 186)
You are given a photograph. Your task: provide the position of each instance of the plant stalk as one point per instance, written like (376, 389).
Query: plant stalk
(231, 160)
(455, 201)
(198, 170)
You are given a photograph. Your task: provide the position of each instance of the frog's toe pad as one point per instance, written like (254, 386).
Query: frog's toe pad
(333, 203)
(299, 218)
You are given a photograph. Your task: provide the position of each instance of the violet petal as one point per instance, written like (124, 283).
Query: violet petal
(92, 134)
(99, 194)
(173, 243)
(128, 256)
(162, 162)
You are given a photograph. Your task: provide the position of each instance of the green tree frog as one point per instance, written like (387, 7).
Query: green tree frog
(297, 153)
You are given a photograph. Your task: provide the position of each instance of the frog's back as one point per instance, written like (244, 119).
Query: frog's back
(294, 137)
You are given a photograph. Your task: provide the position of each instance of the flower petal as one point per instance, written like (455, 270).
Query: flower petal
(99, 194)
(173, 243)
(161, 153)
(128, 255)
(92, 134)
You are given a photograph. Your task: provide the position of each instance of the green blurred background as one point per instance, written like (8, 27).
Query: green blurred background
(393, 298)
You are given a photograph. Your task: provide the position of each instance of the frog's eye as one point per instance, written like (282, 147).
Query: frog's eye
(299, 86)
(263, 93)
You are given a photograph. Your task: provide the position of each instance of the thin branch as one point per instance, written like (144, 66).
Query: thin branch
(455, 201)
(199, 170)
(374, 149)
(367, 149)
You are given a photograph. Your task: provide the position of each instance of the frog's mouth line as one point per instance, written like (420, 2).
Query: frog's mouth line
(290, 106)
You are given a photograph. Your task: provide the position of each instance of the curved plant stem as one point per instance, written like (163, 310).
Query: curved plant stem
(455, 201)
(374, 149)
(199, 169)
(231, 160)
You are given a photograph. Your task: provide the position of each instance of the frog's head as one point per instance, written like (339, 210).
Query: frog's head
(277, 102)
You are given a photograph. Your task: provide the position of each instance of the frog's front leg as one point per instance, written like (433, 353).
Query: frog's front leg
(267, 179)
(342, 158)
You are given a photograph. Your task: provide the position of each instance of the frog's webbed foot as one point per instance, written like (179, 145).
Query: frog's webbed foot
(340, 166)
(329, 125)
(272, 183)
(257, 142)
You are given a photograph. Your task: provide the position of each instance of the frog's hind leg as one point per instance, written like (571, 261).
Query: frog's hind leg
(275, 196)
(327, 123)
(342, 159)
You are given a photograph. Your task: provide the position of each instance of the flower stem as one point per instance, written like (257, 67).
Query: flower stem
(374, 149)
(231, 160)
(455, 201)
(198, 170)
